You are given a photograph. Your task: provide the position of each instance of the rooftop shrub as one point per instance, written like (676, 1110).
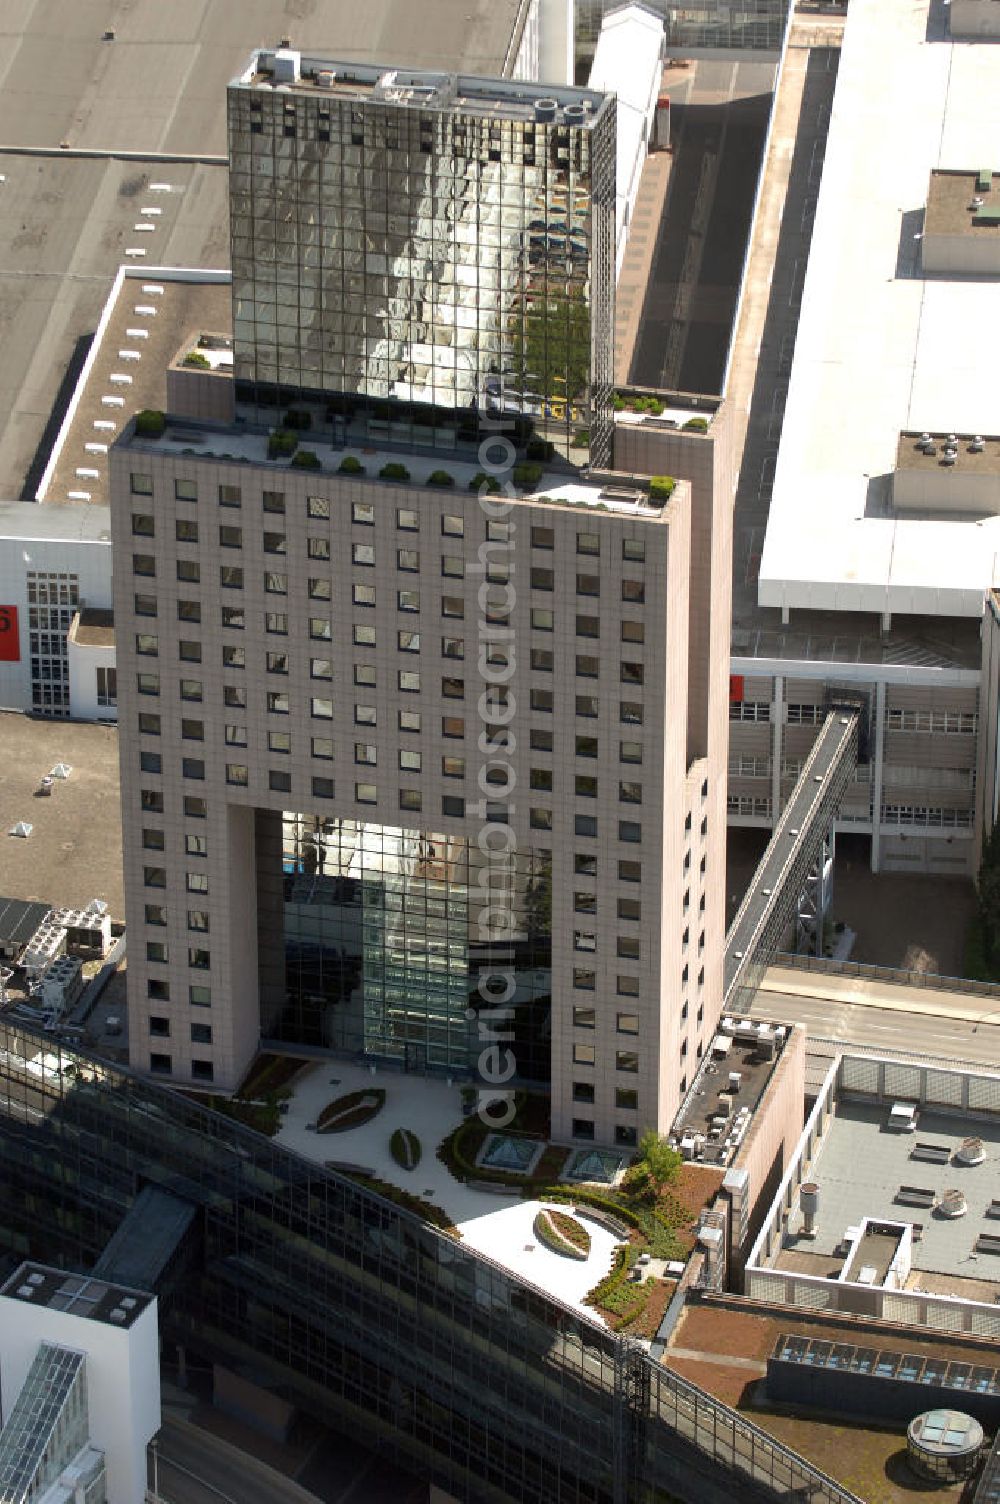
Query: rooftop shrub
(350, 465)
(195, 358)
(661, 488)
(281, 444)
(150, 424)
(527, 474)
(696, 425)
(440, 478)
(306, 459)
(394, 471)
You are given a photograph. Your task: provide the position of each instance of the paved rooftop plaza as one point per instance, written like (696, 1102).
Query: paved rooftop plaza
(499, 1226)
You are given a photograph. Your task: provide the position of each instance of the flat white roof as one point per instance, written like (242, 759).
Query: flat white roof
(879, 349)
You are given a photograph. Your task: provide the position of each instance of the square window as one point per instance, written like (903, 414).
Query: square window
(409, 681)
(408, 600)
(238, 774)
(279, 741)
(366, 793)
(409, 762)
(192, 731)
(320, 590)
(230, 496)
(155, 913)
(272, 501)
(541, 741)
(453, 767)
(630, 793)
(140, 485)
(150, 762)
(322, 788)
(542, 619)
(363, 595)
(453, 689)
(585, 825)
(408, 642)
(452, 804)
(588, 543)
(630, 872)
(584, 1054)
(634, 549)
(200, 997)
(322, 747)
(452, 526)
(275, 543)
(588, 626)
(160, 1065)
(627, 1060)
(143, 564)
(363, 554)
(158, 990)
(363, 513)
(230, 537)
(143, 526)
(185, 530)
(583, 1091)
(633, 631)
(233, 657)
(586, 746)
(185, 490)
(408, 720)
(629, 830)
(192, 767)
(145, 605)
(541, 779)
(587, 706)
(275, 584)
(203, 1070)
(542, 700)
(234, 617)
(584, 981)
(280, 783)
(321, 668)
(542, 537)
(588, 584)
(277, 663)
(408, 559)
(452, 605)
(201, 1033)
(317, 506)
(235, 696)
(407, 520)
(634, 590)
(585, 786)
(630, 908)
(453, 566)
(159, 1026)
(189, 570)
(628, 986)
(542, 579)
(149, 725)
(540, 819)
(583, 1129)
(318, 548)
(626, 1135)
(364, 673)
(320, 629)
(409, 799)
(231, 576)
(587, 667)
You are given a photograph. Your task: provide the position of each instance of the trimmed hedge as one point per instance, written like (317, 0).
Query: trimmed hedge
(195, 358)
(661, 487)
(696, 425)
(440, 478)
(350, 465)
(351, 1110)
(394, 471)
(404, 1146)
(481, 480)
(425, 1210)
(527, 474)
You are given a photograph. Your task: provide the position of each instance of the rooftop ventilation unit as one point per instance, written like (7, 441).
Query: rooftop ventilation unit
(545, 109)
(978, 444)
(23, 828)
(952, 1204)
(977, 203)
(971, 1151)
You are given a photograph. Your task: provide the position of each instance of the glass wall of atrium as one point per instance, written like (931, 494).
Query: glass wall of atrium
(373, 942)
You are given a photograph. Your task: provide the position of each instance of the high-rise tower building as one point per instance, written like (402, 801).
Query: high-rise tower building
(419, 751)
(414, 250)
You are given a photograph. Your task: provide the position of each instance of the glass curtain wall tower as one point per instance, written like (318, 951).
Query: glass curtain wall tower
(412, 251)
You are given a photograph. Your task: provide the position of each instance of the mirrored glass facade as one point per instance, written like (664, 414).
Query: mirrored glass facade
(352, 1309)
(414, 251)
(373, 942)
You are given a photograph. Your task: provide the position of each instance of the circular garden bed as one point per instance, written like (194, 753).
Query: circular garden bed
(561, 1233)
(351, 1111)
(404, 1146)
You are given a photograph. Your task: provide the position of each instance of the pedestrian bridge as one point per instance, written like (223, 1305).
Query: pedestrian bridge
(796, 860)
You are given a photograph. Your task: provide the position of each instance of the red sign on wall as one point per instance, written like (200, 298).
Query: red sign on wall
(10, 642)
(735, 689)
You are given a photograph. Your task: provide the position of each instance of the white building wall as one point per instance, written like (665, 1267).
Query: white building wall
(123, 1381)
(20, 556)
(83, 665)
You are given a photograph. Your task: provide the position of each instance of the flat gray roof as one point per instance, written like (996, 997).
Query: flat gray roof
(28, 519)
(76, 1294)
(74, 852)
(859, 1169)
(160, 85)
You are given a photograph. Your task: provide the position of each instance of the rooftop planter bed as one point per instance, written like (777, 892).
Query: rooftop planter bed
(196, 359)
(661, 488)
(440, 478)
(306, 459)
(351, 1111)
(562, 1234)
(394, 471)
(404, 1146)
(350, 465)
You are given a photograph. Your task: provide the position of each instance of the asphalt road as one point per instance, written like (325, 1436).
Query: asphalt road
(967, 1032)
(195, 1467)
